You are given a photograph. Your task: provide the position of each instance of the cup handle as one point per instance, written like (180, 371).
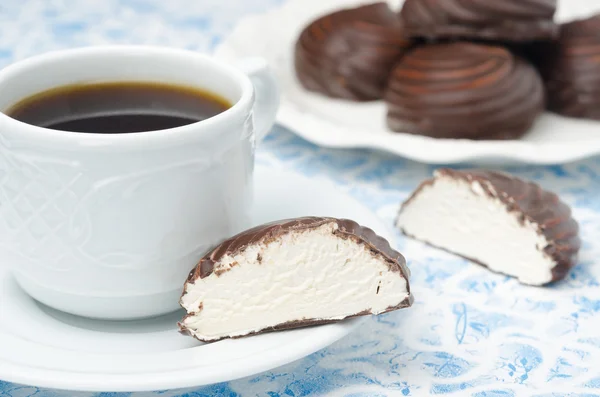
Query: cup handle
(266, 91)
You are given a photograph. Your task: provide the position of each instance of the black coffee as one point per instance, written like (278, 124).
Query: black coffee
(119, 107)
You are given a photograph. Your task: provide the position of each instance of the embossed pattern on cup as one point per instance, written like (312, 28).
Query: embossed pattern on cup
(109, 225)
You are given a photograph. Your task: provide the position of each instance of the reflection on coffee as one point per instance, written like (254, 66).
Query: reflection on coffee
(118, 107)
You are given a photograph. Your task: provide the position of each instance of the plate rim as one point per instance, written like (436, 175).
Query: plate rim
(163, 380)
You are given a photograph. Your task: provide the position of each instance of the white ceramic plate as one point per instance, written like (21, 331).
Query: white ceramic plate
(43, 347)
(342, 124)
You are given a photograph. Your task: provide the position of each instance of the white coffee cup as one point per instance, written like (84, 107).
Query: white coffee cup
(109, 225)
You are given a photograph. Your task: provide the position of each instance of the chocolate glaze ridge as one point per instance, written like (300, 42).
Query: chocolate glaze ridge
(463, 90)
(349, 53)
(511, 20)
(539, 207)
(347, 229)
(571, 69)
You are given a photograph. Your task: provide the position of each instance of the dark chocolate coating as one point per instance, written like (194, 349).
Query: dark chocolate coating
(464, 90)
(349, 53)
(571, 69)
(347, 229)
(510, 20)
(532, 203)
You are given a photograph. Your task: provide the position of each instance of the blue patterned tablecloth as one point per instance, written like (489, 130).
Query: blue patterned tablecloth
(470, 332)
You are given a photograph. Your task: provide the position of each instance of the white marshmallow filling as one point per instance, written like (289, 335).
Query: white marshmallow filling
(301, 275)
(462, 218)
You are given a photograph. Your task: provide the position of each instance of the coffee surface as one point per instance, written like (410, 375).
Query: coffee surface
(118, 107)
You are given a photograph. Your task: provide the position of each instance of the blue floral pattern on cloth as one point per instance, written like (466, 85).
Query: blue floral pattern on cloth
(470, 332)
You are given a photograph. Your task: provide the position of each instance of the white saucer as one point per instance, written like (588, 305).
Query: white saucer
(42, 347)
